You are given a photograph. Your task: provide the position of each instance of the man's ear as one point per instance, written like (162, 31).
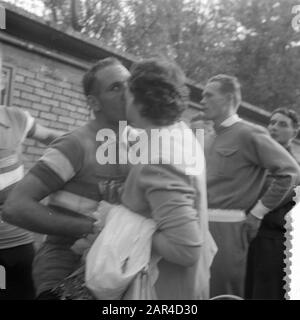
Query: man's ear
(94, 103)
(231, 99)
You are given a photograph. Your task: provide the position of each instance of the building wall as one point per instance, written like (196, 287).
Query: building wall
(51, 92)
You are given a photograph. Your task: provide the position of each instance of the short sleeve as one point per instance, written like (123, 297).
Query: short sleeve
(30, 124)
(23, 121)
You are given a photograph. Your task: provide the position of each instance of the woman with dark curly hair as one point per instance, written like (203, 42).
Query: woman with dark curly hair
(159, 90)
(163, 189)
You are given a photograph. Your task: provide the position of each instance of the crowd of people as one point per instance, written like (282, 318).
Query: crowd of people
(230, 213)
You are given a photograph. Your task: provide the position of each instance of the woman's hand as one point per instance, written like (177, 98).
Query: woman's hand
(100, 215)
(82, 246)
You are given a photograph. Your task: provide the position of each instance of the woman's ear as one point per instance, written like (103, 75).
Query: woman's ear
(296, 130)
(94, 103)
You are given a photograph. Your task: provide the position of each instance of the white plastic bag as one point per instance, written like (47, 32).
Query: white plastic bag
(141, 287)
(119, 253)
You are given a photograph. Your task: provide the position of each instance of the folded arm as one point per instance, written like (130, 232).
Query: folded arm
(286, 172)
(171, 199)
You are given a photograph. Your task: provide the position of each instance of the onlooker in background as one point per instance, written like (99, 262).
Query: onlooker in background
(16, 244)
(76, 182)
(265, 266)
(237, 162)
(284, 127)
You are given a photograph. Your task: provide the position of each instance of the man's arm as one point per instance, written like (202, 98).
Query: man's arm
(43, 134)
(284, 170)
(22, 208)
(60, 163)
(267, 153)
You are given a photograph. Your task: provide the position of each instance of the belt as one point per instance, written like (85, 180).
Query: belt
(226, 215)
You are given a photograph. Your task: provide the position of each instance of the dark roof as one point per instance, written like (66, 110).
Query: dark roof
(29, 28)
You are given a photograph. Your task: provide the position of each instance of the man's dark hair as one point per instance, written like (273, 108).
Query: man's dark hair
(89, 77)
(159, 86)
(290, 113)
(229, 84)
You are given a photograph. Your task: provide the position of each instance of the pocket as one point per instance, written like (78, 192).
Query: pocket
(227, 161)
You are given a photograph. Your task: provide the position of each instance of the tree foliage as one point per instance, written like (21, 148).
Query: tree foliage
(252, 39)
(268, 58)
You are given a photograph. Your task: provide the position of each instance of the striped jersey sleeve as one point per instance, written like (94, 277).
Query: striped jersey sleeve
(60, 163)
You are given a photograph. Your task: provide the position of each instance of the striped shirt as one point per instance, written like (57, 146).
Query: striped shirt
(76, 180)
(15, 126)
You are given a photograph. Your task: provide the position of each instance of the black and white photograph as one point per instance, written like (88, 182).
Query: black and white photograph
(149, 150)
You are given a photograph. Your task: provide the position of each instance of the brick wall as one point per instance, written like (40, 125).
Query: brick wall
(51, 92)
